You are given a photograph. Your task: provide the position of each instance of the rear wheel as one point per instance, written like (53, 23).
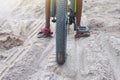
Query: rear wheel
(61, 31)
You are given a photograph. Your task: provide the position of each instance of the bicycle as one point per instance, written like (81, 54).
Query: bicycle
(59, 13)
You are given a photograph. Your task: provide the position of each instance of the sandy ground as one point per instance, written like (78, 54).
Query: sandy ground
(25, 57)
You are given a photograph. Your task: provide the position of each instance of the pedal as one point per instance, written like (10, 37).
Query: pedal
(83, 29)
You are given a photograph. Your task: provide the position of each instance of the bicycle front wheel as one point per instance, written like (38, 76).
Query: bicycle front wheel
(61, 31)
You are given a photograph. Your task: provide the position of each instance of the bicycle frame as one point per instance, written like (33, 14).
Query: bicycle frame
(53, 8)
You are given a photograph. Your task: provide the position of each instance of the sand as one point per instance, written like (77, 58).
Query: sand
(25, 57)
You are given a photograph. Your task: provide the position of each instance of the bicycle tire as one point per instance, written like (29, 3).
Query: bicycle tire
(61, 31)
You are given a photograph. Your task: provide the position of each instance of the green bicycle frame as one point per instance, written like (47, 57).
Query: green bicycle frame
(75, 6)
